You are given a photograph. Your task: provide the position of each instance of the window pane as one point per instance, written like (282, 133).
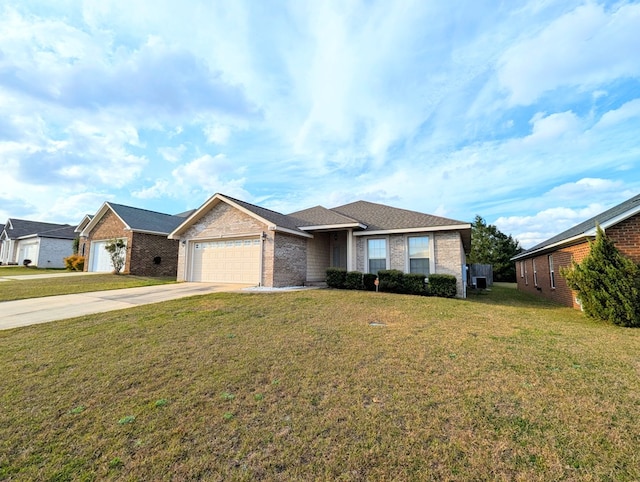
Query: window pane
(377, 264)
(419, 265)
(377, 253)
(377, 248)
(419, 247)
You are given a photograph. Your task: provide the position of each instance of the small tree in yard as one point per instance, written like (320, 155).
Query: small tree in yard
(607, 283)
(116, 249)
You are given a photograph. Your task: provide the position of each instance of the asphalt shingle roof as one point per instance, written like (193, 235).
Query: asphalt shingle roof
(143, 220)
(24, 227)
(382, 217)
(274, 217)
(584, 227)
(320, 216)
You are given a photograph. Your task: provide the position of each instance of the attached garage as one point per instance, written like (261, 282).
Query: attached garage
(100, 259)
(28, 250)
(226, 261)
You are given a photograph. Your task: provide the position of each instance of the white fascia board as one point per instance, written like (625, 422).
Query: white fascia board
(327, 227)
(273, 227)
(455, 227)
(554, 246)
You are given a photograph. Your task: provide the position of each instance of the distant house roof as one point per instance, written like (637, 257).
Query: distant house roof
(136, 219)
(586, 229)
(23, 228)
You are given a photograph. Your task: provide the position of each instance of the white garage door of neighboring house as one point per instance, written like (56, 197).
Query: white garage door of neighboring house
(28, 251)
(100, 259)
(226, 261)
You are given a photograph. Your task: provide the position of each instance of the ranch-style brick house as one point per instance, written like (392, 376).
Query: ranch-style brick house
(537, 269)
(229, 240)
(45, 244)
(148, 250)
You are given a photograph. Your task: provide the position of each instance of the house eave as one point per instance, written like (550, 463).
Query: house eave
(332, 227)
(273, 227)
(423, 229)
(559, 244)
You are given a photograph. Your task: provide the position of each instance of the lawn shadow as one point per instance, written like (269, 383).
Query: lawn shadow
(506, 294)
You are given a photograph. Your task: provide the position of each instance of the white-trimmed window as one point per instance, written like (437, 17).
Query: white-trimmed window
(418, 249)
(535, 273)
(552, 274)
(376, 255)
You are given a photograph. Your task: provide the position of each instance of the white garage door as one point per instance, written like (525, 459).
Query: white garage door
(100, 260)
(28, 251)
(229, 261)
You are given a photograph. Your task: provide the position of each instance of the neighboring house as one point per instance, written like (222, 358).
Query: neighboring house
(82, 240)
(537, 268)
(228, 240)
(148, 250)
(45, 244)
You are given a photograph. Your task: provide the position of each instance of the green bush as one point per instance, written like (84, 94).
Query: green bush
(442, 285)
(336, 277)
(391, 280)
(607, 283)
(414, 284)
(369, 281)
(353, 280)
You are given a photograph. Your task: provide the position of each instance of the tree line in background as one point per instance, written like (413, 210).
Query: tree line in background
(491, 246)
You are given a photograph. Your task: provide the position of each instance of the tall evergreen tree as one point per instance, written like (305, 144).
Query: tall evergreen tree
(607, 283)
(491, 246)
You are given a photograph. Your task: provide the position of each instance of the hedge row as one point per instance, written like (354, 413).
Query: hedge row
(393, 281)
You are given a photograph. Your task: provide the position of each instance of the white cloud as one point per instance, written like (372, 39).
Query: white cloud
(217, 134)
(585, 48)
(172, 154)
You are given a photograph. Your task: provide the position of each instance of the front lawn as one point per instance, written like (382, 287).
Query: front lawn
(322, 385)
(11, 270)
(65, 285)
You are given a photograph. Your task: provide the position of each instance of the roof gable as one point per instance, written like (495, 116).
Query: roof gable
(274, 220)
(587, 228)
(136, 219)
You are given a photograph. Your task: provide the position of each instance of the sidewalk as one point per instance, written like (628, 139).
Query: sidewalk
(18, 313)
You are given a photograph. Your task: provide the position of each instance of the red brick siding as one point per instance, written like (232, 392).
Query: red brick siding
(561, 258)
(626, 236)
(145, 247)
(109, 227)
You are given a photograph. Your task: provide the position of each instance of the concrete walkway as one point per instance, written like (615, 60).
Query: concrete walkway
(42, 310)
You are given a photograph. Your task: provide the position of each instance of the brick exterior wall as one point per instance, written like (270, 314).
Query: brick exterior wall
(625, 235)
(319, 256)
(109, 227)
(145, 248)
(290, 261)
(448, 254)
(450, 258)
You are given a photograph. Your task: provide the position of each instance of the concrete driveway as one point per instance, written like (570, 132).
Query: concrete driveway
(42, 310)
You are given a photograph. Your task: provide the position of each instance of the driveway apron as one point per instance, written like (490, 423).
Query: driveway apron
(18, 313)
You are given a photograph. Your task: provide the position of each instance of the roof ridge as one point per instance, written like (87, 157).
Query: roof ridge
(138, 209)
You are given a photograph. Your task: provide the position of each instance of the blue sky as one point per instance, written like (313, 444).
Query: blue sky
(525, 112)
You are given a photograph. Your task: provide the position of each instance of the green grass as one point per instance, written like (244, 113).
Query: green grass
(6, 270)
(63, 285)
(499, 387)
